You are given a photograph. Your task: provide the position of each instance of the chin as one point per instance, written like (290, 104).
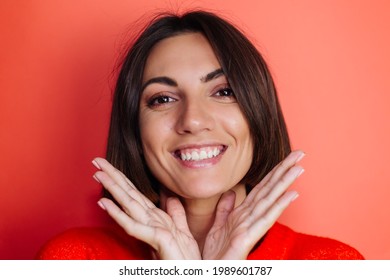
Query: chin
(203, 190)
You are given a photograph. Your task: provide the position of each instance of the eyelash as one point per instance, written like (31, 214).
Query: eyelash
(225, 90)
(159, 100)
(162, 99)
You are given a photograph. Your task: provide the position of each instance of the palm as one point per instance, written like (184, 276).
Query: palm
(171, 236)
(166, 232)
(237, 230)
(227, 238)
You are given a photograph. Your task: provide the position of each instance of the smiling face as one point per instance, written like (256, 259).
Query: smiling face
(195, 139)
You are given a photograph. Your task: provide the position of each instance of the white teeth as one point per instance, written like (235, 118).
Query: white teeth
(194, 155)
(200, 155)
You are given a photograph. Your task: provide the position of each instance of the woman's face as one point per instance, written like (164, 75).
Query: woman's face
(195, 138)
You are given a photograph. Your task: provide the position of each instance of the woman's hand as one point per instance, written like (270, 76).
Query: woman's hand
(237, 230)
(166, 232)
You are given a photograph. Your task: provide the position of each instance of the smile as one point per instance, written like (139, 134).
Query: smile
(199, 154)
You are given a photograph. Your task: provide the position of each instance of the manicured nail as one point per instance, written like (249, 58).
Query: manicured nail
(301, 156)
(294, 197)
(97, 180)
(96, 164)
(101, 205)
(300, 172)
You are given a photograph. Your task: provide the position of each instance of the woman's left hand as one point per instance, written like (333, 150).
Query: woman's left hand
(237, 230)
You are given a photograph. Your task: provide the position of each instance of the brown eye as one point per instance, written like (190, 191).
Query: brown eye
(225, 95)
(160, 100)
(225, 92)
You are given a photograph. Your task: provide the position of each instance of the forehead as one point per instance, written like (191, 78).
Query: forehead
(181, 53)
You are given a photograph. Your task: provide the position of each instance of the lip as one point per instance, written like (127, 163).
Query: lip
(204, 163)
(198, 145)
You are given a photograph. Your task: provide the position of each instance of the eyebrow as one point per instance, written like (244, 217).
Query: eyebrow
(170, 82)
(160, 80)
(212, 75)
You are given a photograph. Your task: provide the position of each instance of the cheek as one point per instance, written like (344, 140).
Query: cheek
(154, 131)
(237, 125)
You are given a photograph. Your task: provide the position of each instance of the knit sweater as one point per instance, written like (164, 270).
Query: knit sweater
(280, 243)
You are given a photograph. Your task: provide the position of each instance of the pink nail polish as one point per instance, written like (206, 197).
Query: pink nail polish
(97, 180)
(294, 197)
(101, 205)
(301, 156)
(96, 164)
(300, 172)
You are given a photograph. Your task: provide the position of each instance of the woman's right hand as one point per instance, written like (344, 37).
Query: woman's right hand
(166, 232)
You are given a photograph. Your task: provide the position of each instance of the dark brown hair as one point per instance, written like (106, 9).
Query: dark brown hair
(247, 74)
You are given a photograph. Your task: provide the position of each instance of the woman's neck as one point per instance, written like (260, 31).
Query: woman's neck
(201, 213)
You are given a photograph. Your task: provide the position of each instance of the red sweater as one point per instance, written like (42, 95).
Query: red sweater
(280, 243)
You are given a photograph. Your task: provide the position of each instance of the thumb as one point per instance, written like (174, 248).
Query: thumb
(224, 208)
(176, 211)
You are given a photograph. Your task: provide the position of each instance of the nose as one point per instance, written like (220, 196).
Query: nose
(194, 117)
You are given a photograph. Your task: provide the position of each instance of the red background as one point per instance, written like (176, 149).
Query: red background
(331, 64)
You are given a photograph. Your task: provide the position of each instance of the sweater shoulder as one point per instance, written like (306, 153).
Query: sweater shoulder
(323, 248)
(93, 244)
(281, 242)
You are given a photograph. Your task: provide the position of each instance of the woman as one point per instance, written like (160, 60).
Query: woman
(203, 152)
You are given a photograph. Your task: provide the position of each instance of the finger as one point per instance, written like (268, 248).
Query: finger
(292, 159)
(267, 182)
(164, 195)
(262, 225)
(121, 180)
(224, 208)
(262, 204)
(163, 201)
(114, 173)
(130, 225)
(104, 165)
(176, 211)
(129, 201)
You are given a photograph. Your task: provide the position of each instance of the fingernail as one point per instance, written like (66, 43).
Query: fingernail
(300, 172)
(96, 164)
(101, 205)
(97, 180)
(294, 197)
(301, 156)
